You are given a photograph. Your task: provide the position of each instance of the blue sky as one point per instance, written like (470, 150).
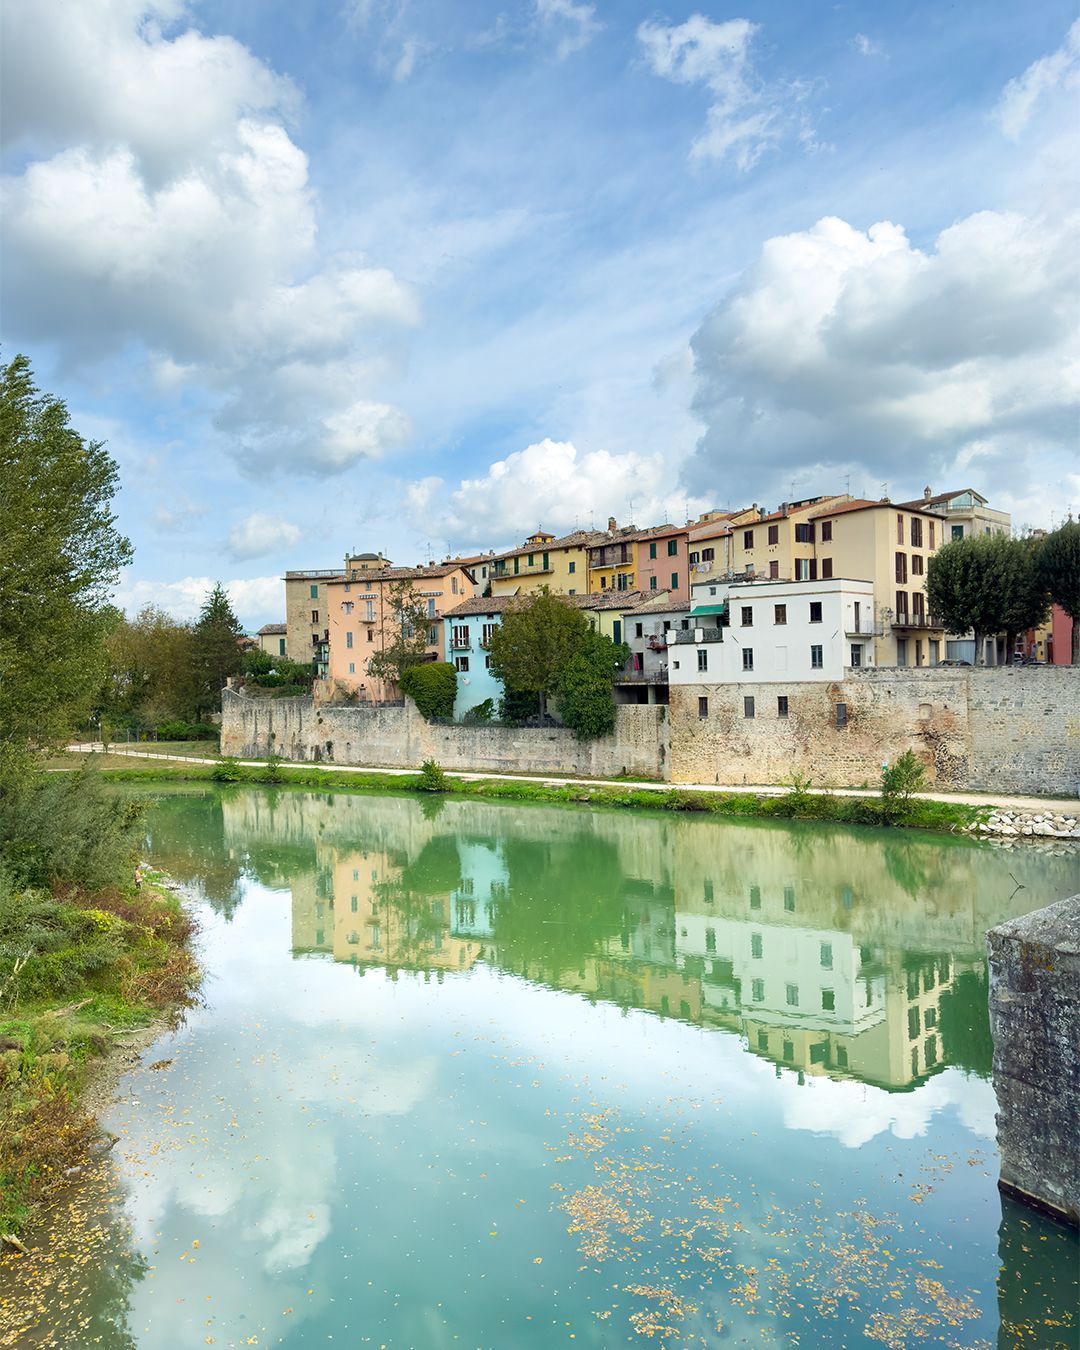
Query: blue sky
(422, 276)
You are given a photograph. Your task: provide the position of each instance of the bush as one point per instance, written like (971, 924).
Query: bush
(483, 712)
(432, 686)
(227, 770)
(186, 731)
(898, 781)
(432, 778)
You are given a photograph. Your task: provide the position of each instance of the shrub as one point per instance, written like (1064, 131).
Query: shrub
(898, 781)
(432, 778)
(483, 712)
(432, 686)
(227, 770)
(186, 731)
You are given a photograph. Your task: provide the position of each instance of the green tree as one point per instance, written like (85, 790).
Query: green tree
(404, 637)
(60, 556)
(151, 675)
(1058, 563)
(988, 584)
(432, 686)
(539, 635)
(216, 650)
(586, 701)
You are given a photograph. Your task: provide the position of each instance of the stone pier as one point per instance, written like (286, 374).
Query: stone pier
(1035, 1020)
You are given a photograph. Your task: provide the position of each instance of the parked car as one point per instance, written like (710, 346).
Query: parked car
(954, 663)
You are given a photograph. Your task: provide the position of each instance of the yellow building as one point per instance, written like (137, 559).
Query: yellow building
(779, 545)
(560, 564)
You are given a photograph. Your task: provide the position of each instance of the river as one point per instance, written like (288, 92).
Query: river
(481, 1074)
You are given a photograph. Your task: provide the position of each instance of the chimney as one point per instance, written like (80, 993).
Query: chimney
(926, 494)
(611, 525)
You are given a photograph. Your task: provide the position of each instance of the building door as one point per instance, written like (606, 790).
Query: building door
(901, 651)
(616, 629)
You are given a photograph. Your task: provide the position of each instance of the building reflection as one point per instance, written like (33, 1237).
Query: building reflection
(827, 951)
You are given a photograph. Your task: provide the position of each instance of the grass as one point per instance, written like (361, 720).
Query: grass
(797, 804)
(76, 969)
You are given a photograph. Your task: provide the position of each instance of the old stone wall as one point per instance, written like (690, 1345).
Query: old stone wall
(1034, 1012)
(398, 737)
(1003, 730)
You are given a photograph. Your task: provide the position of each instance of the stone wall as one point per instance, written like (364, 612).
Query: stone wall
(1014, 729)
(1034, 1010)
(399, 738)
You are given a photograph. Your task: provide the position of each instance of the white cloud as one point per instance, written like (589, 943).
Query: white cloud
(258, 534)
(1058, 72)
(866, 46)
(255, 600)
(193, 236)
(849, 350)
(745, 117)
(552, 485)
(576, 24)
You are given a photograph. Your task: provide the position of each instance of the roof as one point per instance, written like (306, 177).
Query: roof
(630, 535)
(575, 539)
(661, 602)
(272, 628)
(399, 573)
(489, 604)
(940, 497)
(810, 506)
(610, 599)
(862, 504)
(712, 529)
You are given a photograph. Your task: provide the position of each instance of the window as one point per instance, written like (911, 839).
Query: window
(572, 568)
(547, 564)
(756, 947)
(841, 714)
(957, 532)
(748, 539)
(789, 1050)
(817, 658)
(315, 616)
(901, 651)
(916, 532)
(747, 616)
(487, 662)
(789, 899)
(748, 658)
(487, 631)
(781, 705)
(371, 611)
(652, 584)
(703, 707)
(531, 559)
(841, 1056)
(708, 554)
(314, 592)
(826, 569)
(710, 940)
(780, 614)
(901, 607)
(931, 533)
(913, 1027)
(918, 606)
(348, 639)
(826, 531)
(804, 534)
(757, 993)
(917, 565)
(899, 529)
(673, 548)
(755, 897)
(748, 707)
(459, 636)
(652, 550)
(901, 568)
(352, 667)
(517, 562)
(774, 571)
(774, 534)
(674, 581)
(828, 1000)
(371, 635)
(826, 956)
(856, 654)
(802, 569)
(702, 659)
(461, 663)
(623, 579)
(815, 611)
(453, 584)
(431, 609)
(763, 1038)
(791, 995)
(639, 630)
(813, 569)
(708, 890)
(694, 559)
(281, 647)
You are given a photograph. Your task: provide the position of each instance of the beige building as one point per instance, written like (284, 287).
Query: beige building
(272, 639)
(361, 620)
(966, 513)
(305, 611)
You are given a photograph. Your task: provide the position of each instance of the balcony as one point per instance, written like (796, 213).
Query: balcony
(864, 627)
(460, 645)
(642, 676)
(922, 622)
(698, 635)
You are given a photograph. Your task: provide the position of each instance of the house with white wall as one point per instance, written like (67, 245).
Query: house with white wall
(759, 631)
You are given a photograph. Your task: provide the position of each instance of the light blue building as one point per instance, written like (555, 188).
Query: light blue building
(466, 631)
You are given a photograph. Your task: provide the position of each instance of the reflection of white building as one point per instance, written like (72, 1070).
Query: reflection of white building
(484, 880)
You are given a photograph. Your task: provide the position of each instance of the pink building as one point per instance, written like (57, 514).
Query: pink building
(663, 560)
(1059, 646)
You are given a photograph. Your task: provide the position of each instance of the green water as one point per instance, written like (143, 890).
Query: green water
(485, 1075)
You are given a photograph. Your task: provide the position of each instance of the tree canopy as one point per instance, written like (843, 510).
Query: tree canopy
(988, 584)
(217, 653)
(404, 639)
(535, 642)
(586, 702)
(60, 557)
(1058, 564)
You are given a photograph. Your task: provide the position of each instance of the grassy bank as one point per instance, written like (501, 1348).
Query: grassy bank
(78, 970)
(796, 804)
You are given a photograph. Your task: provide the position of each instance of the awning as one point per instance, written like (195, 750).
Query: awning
(708, 609)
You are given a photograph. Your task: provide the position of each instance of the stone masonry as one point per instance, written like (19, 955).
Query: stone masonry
(1035, 1020)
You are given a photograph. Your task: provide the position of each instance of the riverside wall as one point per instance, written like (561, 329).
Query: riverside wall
(400, 738)
(1013, 729)
(1000, 730)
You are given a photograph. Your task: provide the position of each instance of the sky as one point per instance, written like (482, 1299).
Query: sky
(422, 276)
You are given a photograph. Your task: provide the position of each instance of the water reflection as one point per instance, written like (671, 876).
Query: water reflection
(830, 952)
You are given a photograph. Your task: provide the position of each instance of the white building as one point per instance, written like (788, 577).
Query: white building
(760, 631)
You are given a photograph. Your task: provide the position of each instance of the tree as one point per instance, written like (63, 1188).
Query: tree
(60, 556)
(217, 653)
(1058, 563)
(586, 702)
(534, 644)
(404, 638)
(432, 686)
(985, 583)
(151, 674)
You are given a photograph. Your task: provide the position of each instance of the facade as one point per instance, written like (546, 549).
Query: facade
(467, 630)
(360, 621)
(966, 513)
(649, 631)
(765, 632)
(305, 612)
(629, 559)
(663, 559)
(779, 545)
(560, 564)
(273, 640)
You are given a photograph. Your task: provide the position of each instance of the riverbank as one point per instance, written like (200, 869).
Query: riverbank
(91, 978)
(796, 802)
